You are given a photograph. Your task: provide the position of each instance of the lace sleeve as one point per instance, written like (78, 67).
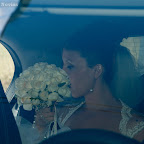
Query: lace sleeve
(132, 123)
(135, 125)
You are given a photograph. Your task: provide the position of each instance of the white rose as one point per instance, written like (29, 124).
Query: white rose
(39, 85)
(26, 100)
(33, 93)
(36, 72)
(58, 77)
(48, 81)
(17, 81)
(37, 67)
(65, 80)
(49, 103)
(39, 77)
(62, 72)
(40, 66)
(26, 73)
(36, 90)
(45, 75)
(53, 66)
(68, 93)
(53, 96)
(35, 102)
(54, 81)
(48, 67)
(52, 87)
(30, 69)
(49, 72)
(20, 92)
(28, 85)
(64, 91)
(27, 107)
(30, 77)
(44, 95)
(56, 73)
(43, 64)
(23, 84)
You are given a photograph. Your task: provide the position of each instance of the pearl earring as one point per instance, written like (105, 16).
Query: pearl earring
(99, 68)
(91, 90)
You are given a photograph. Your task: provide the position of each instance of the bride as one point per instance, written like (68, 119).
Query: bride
(104, 86)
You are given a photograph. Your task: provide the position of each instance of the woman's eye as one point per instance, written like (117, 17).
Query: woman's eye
(70, 66)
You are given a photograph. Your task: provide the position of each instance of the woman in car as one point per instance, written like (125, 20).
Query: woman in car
(104, 85)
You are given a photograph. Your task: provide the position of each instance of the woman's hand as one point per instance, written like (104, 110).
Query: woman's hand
(43, 118)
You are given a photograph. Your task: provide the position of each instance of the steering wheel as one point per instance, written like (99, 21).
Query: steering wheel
(89, 136)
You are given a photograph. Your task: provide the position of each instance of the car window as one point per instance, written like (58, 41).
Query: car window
(7, 67)
(78, 66)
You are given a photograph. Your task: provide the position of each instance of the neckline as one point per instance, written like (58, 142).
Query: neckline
(124, 110)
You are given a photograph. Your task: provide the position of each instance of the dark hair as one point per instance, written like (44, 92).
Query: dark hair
(99, 43)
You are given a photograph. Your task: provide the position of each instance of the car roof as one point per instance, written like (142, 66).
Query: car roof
(90, 2)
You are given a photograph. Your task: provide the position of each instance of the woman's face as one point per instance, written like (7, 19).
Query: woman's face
(81, 76)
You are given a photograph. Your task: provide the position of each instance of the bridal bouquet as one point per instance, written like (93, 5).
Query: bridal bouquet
(41, 85)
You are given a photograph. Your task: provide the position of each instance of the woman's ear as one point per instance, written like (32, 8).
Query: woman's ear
(98, 69)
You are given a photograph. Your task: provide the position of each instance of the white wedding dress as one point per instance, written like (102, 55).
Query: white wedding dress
(129, 126)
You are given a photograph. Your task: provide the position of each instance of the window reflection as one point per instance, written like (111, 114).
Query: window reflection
(136, 47)
(6, 67)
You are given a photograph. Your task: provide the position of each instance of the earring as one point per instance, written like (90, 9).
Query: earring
(91, 90)
(99, 68)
